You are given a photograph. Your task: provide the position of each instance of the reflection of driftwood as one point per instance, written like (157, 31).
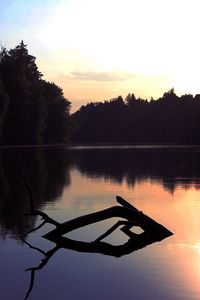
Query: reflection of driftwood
(135, 242)
(44, 261)
(131, 216)
(34, 212)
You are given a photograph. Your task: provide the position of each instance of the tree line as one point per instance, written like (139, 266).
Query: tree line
(169, 119)
(32, 110)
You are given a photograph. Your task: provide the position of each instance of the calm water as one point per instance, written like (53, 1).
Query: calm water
(162, 182)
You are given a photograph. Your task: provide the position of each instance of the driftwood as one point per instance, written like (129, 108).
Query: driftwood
(152, 232)
(133, 216)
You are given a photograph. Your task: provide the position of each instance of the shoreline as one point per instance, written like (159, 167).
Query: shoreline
(82, 146)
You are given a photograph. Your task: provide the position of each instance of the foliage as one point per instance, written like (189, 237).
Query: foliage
(32, 111)
(169, 119)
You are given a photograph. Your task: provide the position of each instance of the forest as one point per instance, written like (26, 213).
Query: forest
(167, 120)
(32, 110)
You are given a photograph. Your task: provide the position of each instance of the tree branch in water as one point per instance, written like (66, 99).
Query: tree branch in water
(131, 216)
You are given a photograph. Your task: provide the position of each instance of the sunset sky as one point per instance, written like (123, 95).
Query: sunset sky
(99, 49)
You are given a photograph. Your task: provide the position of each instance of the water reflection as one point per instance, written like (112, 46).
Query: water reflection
(171, 167)
(129, 216)
(162, 183)
(45, 170)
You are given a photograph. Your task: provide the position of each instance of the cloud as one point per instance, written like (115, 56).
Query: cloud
(99, 76)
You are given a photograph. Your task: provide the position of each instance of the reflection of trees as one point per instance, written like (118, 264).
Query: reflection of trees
(169, 166)
(44, 169)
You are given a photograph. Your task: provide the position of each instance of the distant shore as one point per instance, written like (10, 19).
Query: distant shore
(103, 146)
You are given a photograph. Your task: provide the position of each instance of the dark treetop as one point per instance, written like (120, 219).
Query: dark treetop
(32, 110)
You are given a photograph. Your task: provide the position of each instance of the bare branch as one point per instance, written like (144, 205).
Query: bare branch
(125, 229)
(35, 229)
(44, 217)
(125, 203)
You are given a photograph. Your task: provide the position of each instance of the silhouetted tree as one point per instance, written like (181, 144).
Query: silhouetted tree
(58, 123)
(130, 100)
(169, 119)
(37, 110)
(170, 96)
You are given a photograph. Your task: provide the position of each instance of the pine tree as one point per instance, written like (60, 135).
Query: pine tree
(20, 77)
(38, 111)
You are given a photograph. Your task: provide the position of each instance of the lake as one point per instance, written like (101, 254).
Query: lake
(163, 182)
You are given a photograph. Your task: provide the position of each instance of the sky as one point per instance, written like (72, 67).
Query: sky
(96, 50)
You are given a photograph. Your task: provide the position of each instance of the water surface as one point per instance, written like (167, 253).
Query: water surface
(162, 182)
